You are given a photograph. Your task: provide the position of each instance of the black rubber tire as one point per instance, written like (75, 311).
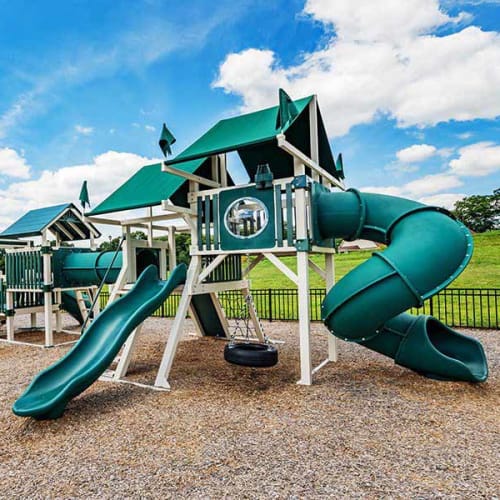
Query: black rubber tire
(251, 354)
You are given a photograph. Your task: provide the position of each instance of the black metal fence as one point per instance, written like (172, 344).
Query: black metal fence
(460, 307)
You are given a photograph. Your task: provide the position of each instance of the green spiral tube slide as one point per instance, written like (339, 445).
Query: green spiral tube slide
(427, 249)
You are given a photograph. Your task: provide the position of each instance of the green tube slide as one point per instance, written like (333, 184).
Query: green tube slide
(427, 249)
(51, 390)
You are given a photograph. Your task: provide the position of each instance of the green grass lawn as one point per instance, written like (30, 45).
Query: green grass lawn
(483, 270)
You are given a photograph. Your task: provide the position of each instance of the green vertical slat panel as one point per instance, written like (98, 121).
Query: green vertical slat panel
(208, 243)
(38, 270)
(199, 205)
(279, 215)
(289, 215)
(216, 222)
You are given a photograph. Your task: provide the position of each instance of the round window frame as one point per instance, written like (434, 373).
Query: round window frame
(260, 231)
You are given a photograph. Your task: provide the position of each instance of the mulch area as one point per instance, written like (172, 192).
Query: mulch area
(367, 428)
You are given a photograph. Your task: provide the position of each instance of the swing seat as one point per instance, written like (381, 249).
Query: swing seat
(251, 354)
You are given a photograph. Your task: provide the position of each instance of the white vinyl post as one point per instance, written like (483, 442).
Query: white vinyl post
(172, 254)
(303, 282)
(47, 296)
(9, 306)
(177, 326)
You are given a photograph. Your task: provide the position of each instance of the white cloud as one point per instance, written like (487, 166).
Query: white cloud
(422, 189)
(12, 164)
(381, 59)
(465, 135)
(416, 153)
(479, 159)
(80, 129)
(366, 20)
(150, 128)
(108, 171)
(446, 200)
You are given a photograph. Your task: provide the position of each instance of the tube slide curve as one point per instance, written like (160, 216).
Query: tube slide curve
(52, 389)
(427, 249)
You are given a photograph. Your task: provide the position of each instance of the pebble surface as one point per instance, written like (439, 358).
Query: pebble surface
(366, 429)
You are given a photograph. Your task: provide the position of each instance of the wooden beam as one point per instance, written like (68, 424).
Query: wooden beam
(190, 177)
(282, 267)
(299, 155)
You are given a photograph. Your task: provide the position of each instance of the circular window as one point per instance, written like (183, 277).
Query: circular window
(246, 218)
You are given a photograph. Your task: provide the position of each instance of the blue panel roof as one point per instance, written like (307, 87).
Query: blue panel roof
(35, 221)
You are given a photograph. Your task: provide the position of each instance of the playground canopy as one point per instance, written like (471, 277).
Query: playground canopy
(65, 221)
(149, 186)
(252, 135)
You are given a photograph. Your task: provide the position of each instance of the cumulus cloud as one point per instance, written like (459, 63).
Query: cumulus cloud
(419, 188)
(377, 64)
(12, 164)
(416, 153)
(481, 158)
(107, 171)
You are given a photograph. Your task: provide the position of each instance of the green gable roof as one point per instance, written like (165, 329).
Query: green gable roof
(59, 219)
(253, 135)
(235, 133)
(149, 186)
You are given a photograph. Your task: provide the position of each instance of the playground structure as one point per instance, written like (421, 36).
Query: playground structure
(294, 205)
(49, 278)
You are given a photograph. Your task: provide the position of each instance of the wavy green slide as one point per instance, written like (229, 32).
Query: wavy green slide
(51, 390)
(427, 249)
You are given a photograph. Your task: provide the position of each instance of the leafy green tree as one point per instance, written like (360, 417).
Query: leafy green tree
(479, 213)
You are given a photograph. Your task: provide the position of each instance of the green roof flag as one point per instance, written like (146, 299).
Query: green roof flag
(287, 110)
(166, 140)
(84, 195)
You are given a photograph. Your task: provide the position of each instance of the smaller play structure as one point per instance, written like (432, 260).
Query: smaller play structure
(295, 204)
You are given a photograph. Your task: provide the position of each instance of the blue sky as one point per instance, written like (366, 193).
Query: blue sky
(410, 93)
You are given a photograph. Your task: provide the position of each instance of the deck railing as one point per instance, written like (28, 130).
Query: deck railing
(458, 307)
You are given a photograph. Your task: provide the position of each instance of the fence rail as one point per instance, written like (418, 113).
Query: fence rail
(459, 307)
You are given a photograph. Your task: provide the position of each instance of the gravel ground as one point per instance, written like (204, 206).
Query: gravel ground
(367, 428)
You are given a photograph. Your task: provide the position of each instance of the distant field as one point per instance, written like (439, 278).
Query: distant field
(482, 272)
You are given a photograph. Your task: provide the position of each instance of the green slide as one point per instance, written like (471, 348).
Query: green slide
(51, 390)
(427, 249)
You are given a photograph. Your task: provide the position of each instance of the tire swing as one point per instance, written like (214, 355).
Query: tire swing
(246, 352)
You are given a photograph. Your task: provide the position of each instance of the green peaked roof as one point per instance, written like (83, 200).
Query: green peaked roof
(253, 135)
(62, 220)
(237, 132)
(149, 186)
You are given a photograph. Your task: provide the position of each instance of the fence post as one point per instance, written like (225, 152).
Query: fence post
(270, 303)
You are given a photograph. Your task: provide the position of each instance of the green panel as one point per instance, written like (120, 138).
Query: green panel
(147, 187)
(207, 315)
(216, 221)
(289, 214)
(265, 239)
(279, 215)
(207, 218)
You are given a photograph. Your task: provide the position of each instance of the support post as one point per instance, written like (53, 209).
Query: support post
(9, 306)
(301, 230)
(172, 253)
(47, 295)
(176, 330)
